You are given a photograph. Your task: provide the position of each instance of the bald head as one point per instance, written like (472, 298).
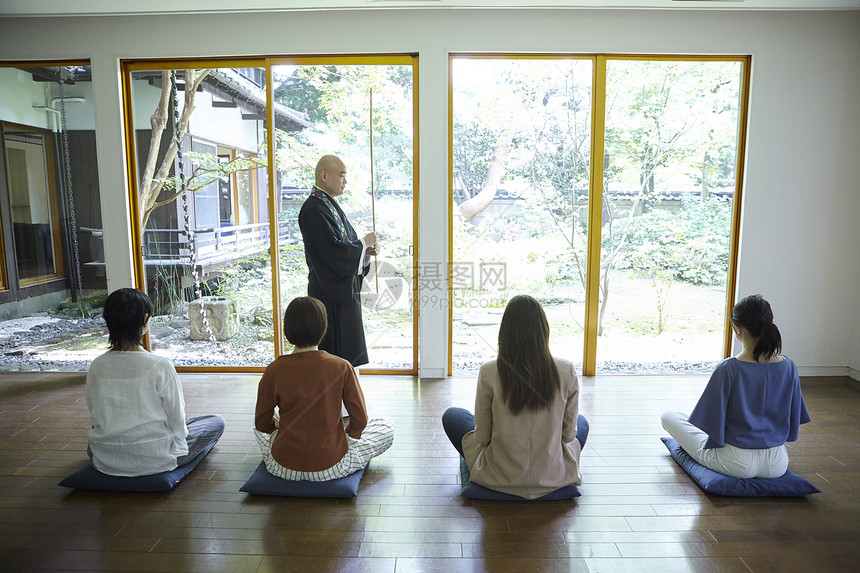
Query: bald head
(327, 163)
(330, 175)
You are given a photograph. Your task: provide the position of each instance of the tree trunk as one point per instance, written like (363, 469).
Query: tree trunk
(706, 176)
(470, 208)
(602, 311)
(151, 184)
(617, 248)
(158, 121)
(646, 180)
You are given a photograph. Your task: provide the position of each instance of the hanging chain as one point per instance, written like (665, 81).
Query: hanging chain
(72, 219)
(192, 242)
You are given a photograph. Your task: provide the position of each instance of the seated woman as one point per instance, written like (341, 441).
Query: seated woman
(751, 406)
(306, 440)
(137, 411)
(526, 435)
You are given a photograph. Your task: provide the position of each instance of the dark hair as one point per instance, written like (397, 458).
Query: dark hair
(305, 322)
(754, 314)
(527, 371)
(125, 314)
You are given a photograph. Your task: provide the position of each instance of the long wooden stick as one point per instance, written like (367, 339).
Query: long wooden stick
(373, 195)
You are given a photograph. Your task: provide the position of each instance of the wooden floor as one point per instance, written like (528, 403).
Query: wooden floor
(638, 510)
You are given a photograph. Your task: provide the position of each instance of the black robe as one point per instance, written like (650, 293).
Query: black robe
(334, 278)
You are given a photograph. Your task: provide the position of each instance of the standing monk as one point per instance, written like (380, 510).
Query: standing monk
(337, 260)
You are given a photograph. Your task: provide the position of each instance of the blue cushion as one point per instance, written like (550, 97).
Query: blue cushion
(91, 478)
(788, 485)
(264, 483)
(477, 491)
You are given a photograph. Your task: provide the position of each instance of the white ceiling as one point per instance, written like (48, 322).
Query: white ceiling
(130, 7)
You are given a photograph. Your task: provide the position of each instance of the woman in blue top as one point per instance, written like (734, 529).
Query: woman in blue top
(751, 406)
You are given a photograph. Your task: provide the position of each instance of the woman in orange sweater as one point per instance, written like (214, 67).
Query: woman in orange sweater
(306, 439)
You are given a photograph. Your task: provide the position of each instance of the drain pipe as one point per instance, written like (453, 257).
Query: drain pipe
(55, 112)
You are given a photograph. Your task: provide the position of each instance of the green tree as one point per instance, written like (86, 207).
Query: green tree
(659, 116)
(492, 109)
(557, 147)
(690, 245)
(340, 99)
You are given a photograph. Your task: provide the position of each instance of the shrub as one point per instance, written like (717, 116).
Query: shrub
(691, 244)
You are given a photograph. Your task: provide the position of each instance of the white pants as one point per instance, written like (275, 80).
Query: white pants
(375, 439)
(728, 460)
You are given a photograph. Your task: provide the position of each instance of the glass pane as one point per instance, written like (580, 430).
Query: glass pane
(207, 212)
(521, 148)
(32, 211)
(54, 263)
(338, 102)
(245, 190)
(208, 276)
(669, 183)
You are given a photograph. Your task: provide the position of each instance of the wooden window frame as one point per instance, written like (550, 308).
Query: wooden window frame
(53, 205)
(234, 189)
(3, 282)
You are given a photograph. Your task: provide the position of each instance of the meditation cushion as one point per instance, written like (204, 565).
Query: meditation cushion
(788, 485)
(477, 491)
(264, 483)
(90, 478)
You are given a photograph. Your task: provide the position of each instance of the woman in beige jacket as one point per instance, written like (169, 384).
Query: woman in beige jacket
(526, 435)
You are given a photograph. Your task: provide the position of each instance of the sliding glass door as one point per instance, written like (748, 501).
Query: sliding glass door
(669, 190)
(197, 129)
(607, 188)
(362, 110)
(217, 207)
(520, 163)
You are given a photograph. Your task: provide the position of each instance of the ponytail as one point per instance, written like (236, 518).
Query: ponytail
(769, 342)
(755, 315)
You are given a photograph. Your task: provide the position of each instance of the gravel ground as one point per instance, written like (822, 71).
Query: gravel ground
(60, 343)
(40, 342)
(469, 366)
(60, 340)
(56, 341)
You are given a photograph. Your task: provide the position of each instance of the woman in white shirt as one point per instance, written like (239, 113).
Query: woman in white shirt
(137, 410)
(526, 435)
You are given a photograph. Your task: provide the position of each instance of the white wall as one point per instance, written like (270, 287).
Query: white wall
(801, 197)
(223, 125)
(218, 125)
(144, 97)
(19, 93)
(79, 115)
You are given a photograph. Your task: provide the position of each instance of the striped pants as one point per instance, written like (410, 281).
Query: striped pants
(375, 439)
